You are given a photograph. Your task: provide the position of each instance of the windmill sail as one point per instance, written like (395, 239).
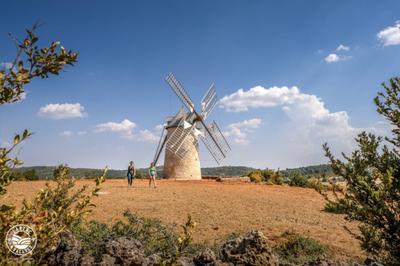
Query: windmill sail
(208, 102)
(160, 146)
(179, 91)
(215, 142)
(179, 139)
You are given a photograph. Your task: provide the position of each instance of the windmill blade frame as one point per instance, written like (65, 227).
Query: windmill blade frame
(208, 102)
(160, 146)
(177, 141)
(214, 141)
(180, 91)
(223, 143)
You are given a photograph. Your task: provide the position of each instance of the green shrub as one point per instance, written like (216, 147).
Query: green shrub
(372, 175)
(268, 176)
(299, 249)
(338, 206)
(155, 237)
(55, 208)
(297, 180)
(255, 176)
(272, 176)
(316, 184)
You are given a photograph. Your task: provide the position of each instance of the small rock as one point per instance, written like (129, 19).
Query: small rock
(87, 261)
(153, 260)
(250, 249)
(126, 251)
(205, 258)
(320, 262)
(68, 251)
(106, 260)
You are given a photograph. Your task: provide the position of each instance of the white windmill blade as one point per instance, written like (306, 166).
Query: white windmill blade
(217, 133)
(209, 107)
(207, 141)
(208, 102)
(160, 146)
(208, 95)
(179, 140)
(177, 87)
(211, 145)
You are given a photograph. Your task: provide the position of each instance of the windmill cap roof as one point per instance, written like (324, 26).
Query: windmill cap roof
(175, 120)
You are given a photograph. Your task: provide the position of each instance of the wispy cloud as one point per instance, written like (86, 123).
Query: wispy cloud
(147, 136)
(342, 47)
(66, 133)
(390, 35)
(239, 131)
(62, 111)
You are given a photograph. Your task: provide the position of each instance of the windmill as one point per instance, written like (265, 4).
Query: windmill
(181, 134)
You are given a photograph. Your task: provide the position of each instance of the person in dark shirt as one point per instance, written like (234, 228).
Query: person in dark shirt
(131, 173)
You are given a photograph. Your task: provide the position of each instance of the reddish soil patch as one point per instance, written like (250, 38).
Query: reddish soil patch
(220, 208)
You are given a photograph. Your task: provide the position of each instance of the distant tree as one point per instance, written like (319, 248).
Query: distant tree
(372, 173)
(297, 180)
(30, 175)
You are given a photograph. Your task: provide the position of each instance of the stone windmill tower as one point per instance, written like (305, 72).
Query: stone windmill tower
(182, 132)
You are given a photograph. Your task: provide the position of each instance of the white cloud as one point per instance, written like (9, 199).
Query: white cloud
(62, 111)
(124, 128)
(390, 35)
(66, 133)
(82, 133)
(147, 136)
(332, 58)
(306, 111)
(239, 131)
(258, 97)
(342, 47)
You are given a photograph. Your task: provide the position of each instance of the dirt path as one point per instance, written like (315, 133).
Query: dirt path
(221, 209)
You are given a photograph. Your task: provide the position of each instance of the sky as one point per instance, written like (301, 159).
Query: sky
(290, 75)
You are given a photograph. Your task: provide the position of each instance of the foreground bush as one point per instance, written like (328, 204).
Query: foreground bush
(298, 250)
(155, 238)
(337, 206)
(55, 209)
(372, 175)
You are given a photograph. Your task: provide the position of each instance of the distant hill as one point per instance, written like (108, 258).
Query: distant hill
(46, 172)
(309, 170)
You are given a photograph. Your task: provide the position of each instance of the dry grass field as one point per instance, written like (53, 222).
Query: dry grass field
(220, 208)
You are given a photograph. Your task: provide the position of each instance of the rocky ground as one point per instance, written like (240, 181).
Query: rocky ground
(249, 249)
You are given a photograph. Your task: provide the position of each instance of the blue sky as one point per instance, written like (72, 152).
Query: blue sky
(308, 71)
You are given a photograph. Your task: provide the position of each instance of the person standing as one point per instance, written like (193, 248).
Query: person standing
(131, 173)
(152, 174)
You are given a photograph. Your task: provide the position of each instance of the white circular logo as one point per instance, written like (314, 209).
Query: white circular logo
(21, 239)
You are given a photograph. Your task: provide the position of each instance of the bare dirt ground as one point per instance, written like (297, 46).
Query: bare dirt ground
(220, 208)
